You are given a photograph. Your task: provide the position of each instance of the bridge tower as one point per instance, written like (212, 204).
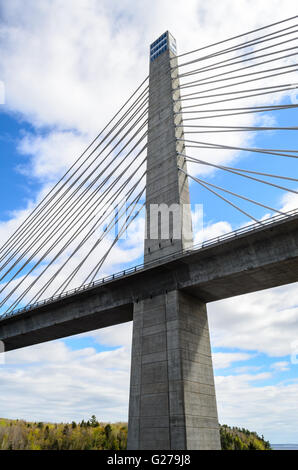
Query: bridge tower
(172, 394)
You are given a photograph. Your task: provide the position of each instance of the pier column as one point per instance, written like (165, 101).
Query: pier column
(172, 395)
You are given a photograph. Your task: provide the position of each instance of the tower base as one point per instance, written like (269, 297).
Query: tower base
(172, 394)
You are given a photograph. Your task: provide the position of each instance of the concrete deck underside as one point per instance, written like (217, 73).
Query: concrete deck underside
(255, 261)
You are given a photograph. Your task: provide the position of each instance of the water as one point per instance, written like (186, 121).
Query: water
(284, 446)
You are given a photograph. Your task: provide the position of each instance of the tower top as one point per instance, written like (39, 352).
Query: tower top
(163, 43)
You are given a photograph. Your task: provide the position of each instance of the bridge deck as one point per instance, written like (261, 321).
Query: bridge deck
(255, 260)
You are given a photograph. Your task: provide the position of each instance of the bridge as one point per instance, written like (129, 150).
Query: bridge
(172, 393)
(247, 260)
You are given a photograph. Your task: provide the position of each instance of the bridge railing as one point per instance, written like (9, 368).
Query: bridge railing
(129, 271)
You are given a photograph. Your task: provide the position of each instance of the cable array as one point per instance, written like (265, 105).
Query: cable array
(70, 234)
(243, 93)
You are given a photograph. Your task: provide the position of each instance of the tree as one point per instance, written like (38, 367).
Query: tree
(65, 431)
(94, 422)
(108, 431)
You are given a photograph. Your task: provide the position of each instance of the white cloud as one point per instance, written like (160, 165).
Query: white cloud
(223, 360)
(289, 202)
(55, 351)
(263, 321)
(51, 156)
(114, 336)
(281, 366)
(267, 409)
(50, 382)
(72, 49)
(247, 369)
(211, 231)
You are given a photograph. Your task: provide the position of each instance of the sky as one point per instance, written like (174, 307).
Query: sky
(66, 66)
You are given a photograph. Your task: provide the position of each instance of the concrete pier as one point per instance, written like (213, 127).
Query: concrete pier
(172, 396)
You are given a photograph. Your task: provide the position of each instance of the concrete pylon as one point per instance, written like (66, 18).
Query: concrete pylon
(168, 223)
(172, 395)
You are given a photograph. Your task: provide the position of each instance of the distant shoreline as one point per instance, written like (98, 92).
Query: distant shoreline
(284, 446)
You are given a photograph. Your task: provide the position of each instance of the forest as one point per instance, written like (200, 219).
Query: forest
(94, 435)
(242, 439)
(86, 435)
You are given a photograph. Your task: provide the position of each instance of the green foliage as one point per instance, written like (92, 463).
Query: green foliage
(241, 439)
(90, 435)
(93, 435)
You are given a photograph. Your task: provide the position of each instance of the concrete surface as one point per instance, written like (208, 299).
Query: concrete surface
(172, 395)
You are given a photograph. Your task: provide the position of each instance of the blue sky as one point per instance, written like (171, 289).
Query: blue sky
(60, 89)
(13, 182)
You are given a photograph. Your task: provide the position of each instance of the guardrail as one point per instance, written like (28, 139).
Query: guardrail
(141, 267)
